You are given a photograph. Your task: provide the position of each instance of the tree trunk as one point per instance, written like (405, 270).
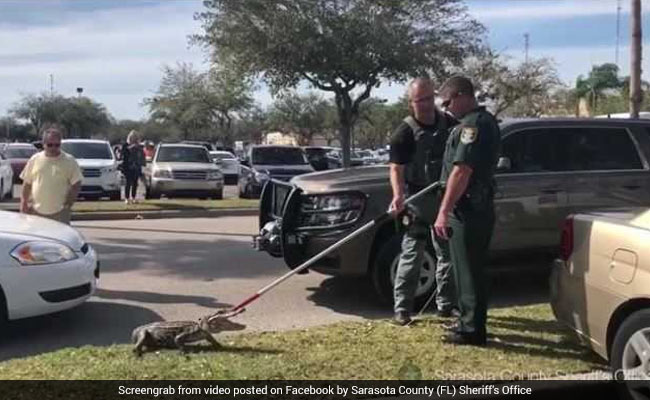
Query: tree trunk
(635, 69)
(344, 107)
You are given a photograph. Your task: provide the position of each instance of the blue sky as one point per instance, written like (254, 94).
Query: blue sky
(115, 49)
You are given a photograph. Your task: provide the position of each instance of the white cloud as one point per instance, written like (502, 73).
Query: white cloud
(488, 10)
(115, 55)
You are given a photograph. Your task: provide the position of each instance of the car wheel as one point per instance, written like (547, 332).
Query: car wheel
(10, 194)
(385, 266)
(243, 193)
(217, 194)
(630, 356)
(150, 194)
(4, 314)
(115, 196)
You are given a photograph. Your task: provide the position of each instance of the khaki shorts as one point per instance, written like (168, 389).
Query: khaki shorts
(62, 216)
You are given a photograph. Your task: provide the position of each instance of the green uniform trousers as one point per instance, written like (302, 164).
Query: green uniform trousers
(469, 244)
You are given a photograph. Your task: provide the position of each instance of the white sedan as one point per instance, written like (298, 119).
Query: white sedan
(45, 266)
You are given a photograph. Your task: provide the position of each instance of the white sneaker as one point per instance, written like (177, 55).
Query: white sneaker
(126, 201)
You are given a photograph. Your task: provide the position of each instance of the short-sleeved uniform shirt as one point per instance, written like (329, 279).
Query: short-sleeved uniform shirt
(51, 179)
(476, 143)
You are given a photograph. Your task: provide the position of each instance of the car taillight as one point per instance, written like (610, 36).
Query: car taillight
(566, 243)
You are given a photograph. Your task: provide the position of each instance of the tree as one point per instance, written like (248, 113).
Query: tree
(346, 47)
(304, 115)
(522, 90)
(200, 104)
(600, 78)
(11, 130)
(80, 116)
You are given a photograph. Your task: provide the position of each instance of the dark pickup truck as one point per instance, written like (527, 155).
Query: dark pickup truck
(548, 169)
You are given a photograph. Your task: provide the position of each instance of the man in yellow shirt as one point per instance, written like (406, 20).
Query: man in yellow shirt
(51, 180)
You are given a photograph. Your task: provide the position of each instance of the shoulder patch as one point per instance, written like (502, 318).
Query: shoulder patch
(468, 134)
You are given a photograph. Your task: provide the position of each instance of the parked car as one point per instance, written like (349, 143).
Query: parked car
(266, 162)
(18, 154)
(183, 170)
(320, 158)
(600, 288)
(366, 157)
(549, 168)
(229, 165)
(45, 266)
(208, 146)
(6, 178)
(98, 165)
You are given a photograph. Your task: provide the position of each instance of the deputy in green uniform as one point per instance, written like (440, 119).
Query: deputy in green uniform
(468, 204)
(416, 151)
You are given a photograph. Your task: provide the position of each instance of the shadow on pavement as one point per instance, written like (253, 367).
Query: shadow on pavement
(160, 298)
(356, 296)
(92, 323)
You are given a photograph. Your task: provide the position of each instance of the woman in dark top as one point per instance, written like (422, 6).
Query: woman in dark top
(132, 162)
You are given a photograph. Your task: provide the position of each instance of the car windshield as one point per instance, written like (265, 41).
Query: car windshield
(182, 154)
(316, 152)
(278, 156)
(222, 156)
(20, 152)
(91, 151)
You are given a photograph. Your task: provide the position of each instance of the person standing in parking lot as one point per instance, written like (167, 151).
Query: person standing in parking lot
(133, 160)
(468, 204)
(51, 180)
(415, 161)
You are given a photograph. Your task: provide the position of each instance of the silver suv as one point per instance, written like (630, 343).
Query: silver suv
(549, 168)
(183, 170)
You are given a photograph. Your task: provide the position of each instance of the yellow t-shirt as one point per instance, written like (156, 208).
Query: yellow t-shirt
(51, 179)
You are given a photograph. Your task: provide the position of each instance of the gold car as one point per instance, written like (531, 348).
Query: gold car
(600, 287)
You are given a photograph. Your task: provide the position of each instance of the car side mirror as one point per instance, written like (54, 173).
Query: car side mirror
(504, 164)
(245, 163)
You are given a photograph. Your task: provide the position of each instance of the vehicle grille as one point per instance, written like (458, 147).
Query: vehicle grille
(91, 173)
(189, 175)
(71, 293)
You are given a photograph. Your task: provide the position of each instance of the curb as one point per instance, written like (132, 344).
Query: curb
(161, 214)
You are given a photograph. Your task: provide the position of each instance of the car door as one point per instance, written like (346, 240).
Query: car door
(531, 196)
(607, 169)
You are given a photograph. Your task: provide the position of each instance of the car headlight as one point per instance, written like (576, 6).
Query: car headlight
(108, 170)
(330, 210)
(261, 176)
(42, 252)
(213, 175)
(162, 173)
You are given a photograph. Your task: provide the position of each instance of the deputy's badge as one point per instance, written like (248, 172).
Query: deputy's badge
(468, 135)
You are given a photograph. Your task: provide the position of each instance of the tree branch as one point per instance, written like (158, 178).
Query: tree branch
(315, 82)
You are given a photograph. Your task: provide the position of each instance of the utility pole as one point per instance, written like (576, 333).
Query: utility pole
(526, 45)
(51, 85)
(618, 27)
(636, 97)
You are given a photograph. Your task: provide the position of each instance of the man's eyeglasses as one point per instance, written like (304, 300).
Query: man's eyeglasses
(52, 144)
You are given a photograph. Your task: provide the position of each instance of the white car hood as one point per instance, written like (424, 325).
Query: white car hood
(186, 166)
(94, 163)
(40, 228)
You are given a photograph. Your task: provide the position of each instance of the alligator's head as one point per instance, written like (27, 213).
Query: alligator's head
(220, 322)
